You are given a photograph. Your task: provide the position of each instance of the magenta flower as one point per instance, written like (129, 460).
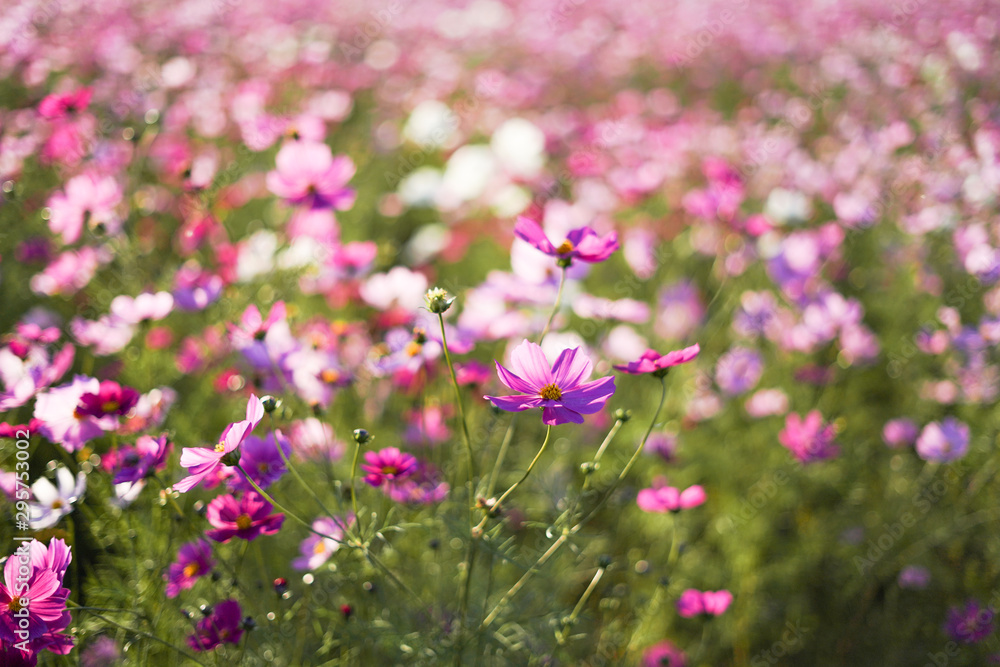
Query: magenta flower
(708, 603)
(315, 549)
(663, 654)
(111, 400)
(246, 518)
(261, 460)
(560, 391)
(669, 499)
(33, 577)
(970, 624)
(808, 439)
(943, 442)
(203, 462)
(194, 560)
(222, 626)
(652, 362)
(582, 243)
(389, 464)
(60, 105)
(899, 432)
(308, 174)
(145, 458)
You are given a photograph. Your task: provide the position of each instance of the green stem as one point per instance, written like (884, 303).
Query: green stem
(295, 473)
(508, 436)
(561, 635)
(555, 308)
(544, 558)
(142, 633)
(458, 400)
(531, 466)
(354, 495)
(283, 509)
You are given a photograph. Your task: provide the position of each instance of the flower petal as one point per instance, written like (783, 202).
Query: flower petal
(571, 368)
(529, 362)
(530, 231)
(515, 403)
(590, 397)
(553, 415)
(514, 382)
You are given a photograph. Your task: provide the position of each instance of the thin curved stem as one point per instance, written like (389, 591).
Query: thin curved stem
(561, 635)
(458, 400)
(295, 473)
(283, 509)
(531, 466)
(555, 308)
(354, 494)
(501, 455)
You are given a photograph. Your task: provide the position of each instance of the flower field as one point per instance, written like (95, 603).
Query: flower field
(496, 332)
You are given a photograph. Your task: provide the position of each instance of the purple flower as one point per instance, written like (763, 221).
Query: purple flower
(739, 370)
(148, 455)
(223, 626)
(653, 362)
(389, 464)
(582, 243)
(663, 445)
(971, 624)
(202, 462)
(944, 441)
(560, 391)
(423, 487)
(308, 174)
(194, 560)
(262, 461)
(899, 432)
(663, 499)
(808, 439)
(914, 577)
(708, 603)
(247, 518)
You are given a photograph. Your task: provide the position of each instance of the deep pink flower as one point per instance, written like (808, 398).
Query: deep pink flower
(60, 105)
(246, 518)
(709, 603)
(663, 654)
(389, 464)
(652, 362)
(145, 458)
(194, 560)
(582, 243)
(560, 391)
(41, 591)
(308, 174)
(203, 462)
(669, 499)
(808, 439)
(222, 626)
(111, 400)
(970, 624)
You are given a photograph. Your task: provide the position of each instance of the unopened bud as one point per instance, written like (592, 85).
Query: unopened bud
(438, 300)
(361, 436)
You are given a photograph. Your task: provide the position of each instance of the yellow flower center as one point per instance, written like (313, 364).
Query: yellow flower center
(243, 521)
(110, 406)
(565, 248)
(16, 604)
(190, 570)
(551, 392)
(219, 448)
(330, 375)
(319, 548)
(57, 504)
(413, 348)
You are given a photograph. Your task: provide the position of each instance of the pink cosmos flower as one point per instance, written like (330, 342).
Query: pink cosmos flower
(669, 499)
(561, 391)
(943, 441)
(308, 174)
(194, 560)
(663, 654)
(582, 243)
(68, 273)
(652, 362)
(808, 439)
(145, 458)
(223, 626)
(89, 199)
(710, 603)
(57, 410)
(60, 105)
(317, 550)
(203, 462)
(41, 591)
(27, 374)
(246, 518)
(389, 464)
(146, 306)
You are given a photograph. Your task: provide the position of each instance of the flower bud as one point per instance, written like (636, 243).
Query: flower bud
(438, 300)
(361, 436)
(270, 404)
(623, 415)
